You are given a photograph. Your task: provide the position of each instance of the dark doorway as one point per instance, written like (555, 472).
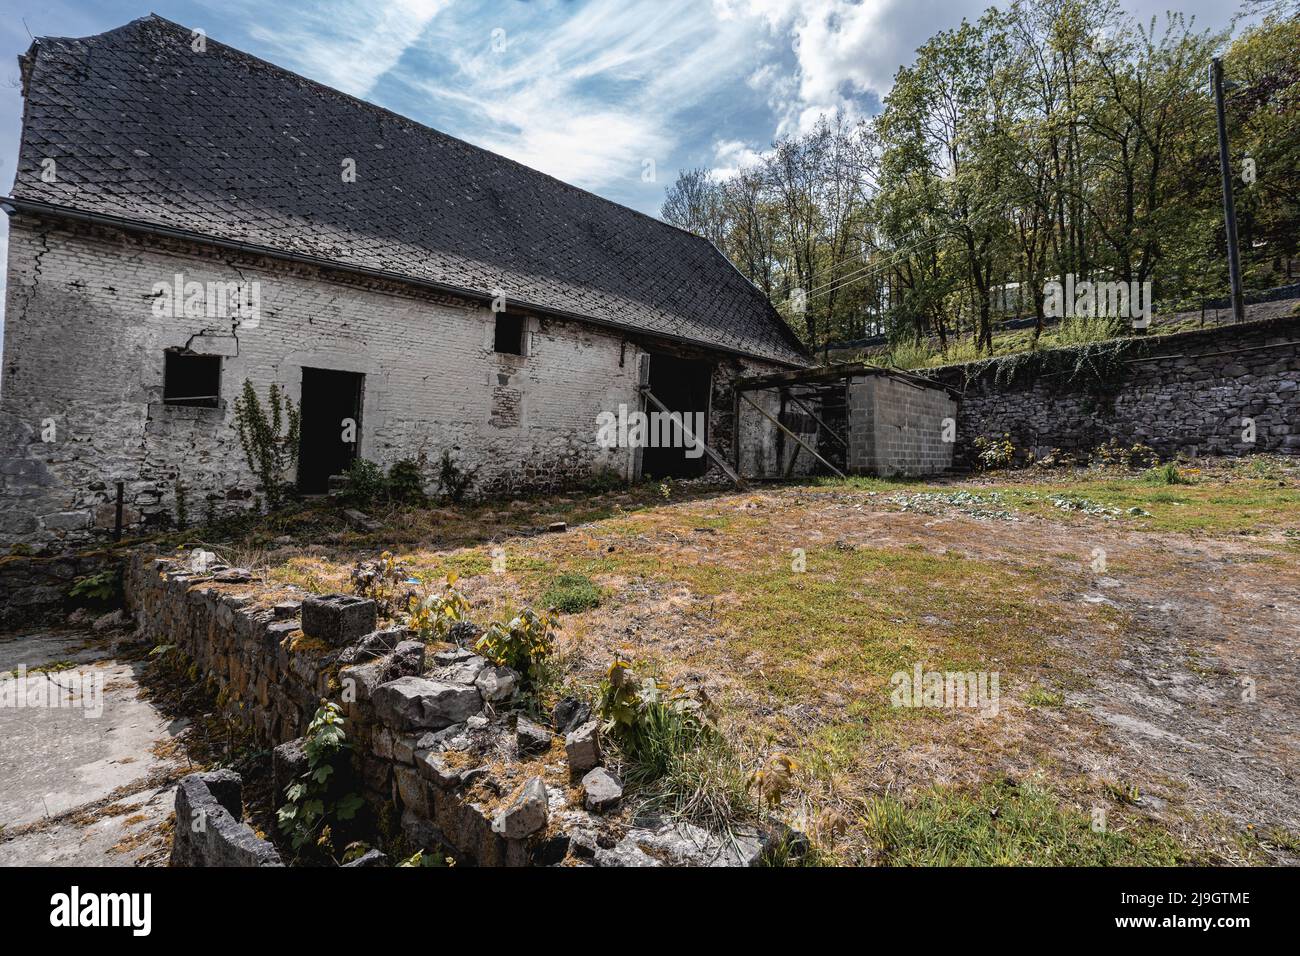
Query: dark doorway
(683, 386)
(329, 399)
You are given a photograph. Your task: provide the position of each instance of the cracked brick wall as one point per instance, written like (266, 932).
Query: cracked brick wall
(81, 397)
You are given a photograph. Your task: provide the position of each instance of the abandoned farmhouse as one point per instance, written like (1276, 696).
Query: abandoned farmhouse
(187, 218)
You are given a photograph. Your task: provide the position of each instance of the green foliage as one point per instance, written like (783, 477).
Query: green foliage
(424, 858)
(522, 643)
(406, 481)
(670, 750)
(993, 453)
(1039, 140)
(1006, 825)
(1115, 454)
(315, 801)
(433, 617)
(364, 484)
(269, 437)
(453, 481)
(1166, 474)
(101, 588)
(572, 593)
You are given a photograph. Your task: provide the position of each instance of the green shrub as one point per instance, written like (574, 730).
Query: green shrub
(993, 453)
(671, 752)
(1165, 474)
(523, 643)
(572, 593)
(316, 800)
(406, 482)
(453, 481)
(433, 617)
(364, 484)
(101, 588)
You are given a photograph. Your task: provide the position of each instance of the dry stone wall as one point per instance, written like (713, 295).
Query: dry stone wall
(1199, 392)
(439, 750)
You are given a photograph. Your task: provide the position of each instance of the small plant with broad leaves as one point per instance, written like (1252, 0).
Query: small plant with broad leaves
(993, 453)
(522, 643)
(363, 484)
(101, 588)
(641, 711)
(433, 617)
(315, 801)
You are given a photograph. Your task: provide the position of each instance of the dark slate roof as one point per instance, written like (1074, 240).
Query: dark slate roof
(234, 148)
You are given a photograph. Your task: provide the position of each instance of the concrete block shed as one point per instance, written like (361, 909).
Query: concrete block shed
(848, 419)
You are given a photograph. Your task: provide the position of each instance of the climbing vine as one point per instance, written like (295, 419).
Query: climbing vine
(269, 453)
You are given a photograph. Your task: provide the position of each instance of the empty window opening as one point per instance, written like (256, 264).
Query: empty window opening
(190, 379)
(509, 334)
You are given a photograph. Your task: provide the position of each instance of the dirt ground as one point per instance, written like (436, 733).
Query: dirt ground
(1146, 647)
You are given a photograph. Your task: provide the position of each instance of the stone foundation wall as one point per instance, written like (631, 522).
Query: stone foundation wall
(1190, 392)
(34, 589)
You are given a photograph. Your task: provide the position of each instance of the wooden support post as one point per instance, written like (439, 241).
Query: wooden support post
(787, 431)
(717, 459)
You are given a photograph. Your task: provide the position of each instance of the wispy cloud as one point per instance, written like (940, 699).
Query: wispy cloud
(348, 45)
(594, 93)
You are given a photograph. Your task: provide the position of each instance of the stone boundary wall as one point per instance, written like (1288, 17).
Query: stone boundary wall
(34, 589)
(436, 752)
(1187, 392)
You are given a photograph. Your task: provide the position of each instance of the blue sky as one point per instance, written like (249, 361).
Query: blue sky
(611, 95)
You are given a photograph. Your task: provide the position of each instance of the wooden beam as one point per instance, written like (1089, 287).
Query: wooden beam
(762, 411)
(717, 459)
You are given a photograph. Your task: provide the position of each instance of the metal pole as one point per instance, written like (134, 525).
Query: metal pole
(1229, 209)
(117, 521)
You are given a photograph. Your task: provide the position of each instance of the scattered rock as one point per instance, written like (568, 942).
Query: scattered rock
(362, 520)
(112, 620)
(456, 656)
(370, 858)
(288, 763)
(582, 747)
(233, 576)
(407, 660)
(531, 738)
(569, 713)
(286, 609)
(463, 633)
(416, 703)
(496, 683)
(555, 526)
(465, 671)
(337, 619)
(602, 790)
(201, 561)
(526, 814)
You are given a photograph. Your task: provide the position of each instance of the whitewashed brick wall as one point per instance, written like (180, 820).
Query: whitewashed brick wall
(84, 348)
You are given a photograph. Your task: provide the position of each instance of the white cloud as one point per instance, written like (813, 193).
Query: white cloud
(347, 45)
(591, 98)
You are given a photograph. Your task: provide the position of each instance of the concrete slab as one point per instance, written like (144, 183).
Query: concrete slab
(86, 761)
